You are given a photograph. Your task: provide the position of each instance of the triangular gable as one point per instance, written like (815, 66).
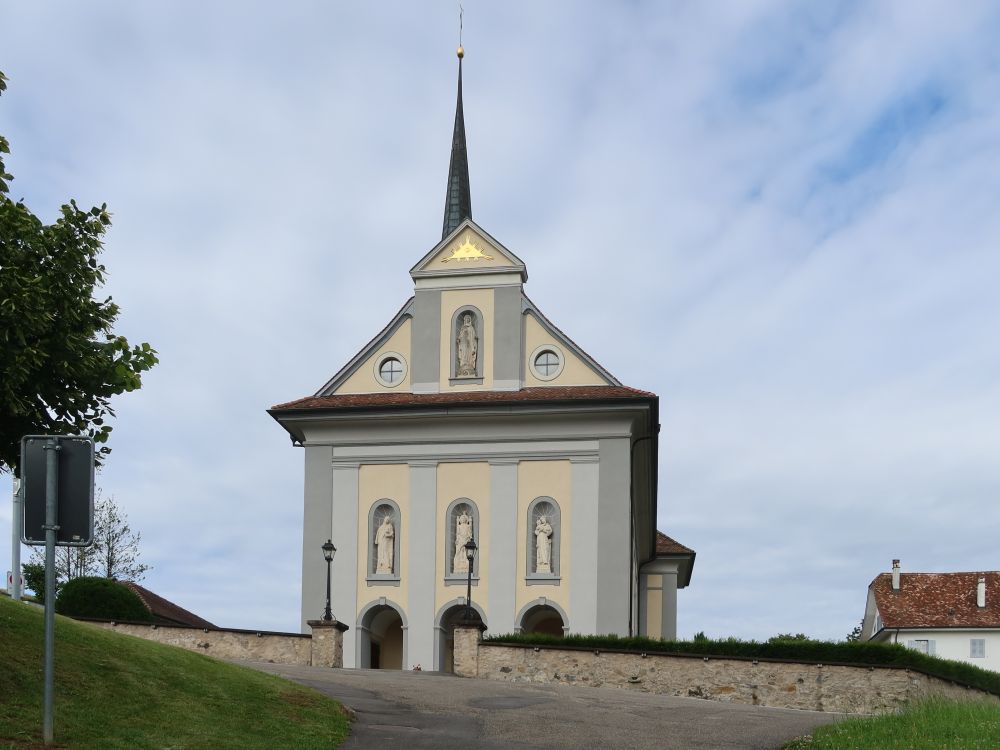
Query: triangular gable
(572, 347)
(467, 250)
(359, 359)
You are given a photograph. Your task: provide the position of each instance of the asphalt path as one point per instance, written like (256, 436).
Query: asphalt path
(417, 710)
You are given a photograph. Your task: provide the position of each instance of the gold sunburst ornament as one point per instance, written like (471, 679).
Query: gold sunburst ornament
(467, 251)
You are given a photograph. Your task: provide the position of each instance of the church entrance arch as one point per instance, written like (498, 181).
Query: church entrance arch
(444, 629)
(541, 616)
(381, 636)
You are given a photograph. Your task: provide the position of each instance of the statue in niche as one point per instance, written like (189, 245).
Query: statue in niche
(543, 545)
(384, 537)
(467, 350)
(463, 533)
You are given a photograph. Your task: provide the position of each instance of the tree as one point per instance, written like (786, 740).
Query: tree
(114, 553)
(60, 361)
(855, 635)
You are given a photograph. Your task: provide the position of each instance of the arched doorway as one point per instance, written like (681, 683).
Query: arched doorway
(450, 614)
(542, 618)
(381, 637)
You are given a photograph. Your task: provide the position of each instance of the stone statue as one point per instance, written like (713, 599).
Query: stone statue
(543, 545)
(384, 544)
(468, 349)
(463, 533)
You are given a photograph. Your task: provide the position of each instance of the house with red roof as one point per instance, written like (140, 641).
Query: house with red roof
(951, 615)
(472, 445)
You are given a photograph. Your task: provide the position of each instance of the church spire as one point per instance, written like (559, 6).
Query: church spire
(458, 200)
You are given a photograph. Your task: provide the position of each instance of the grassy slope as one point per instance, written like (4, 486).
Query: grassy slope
(115, 691)
(933, 725)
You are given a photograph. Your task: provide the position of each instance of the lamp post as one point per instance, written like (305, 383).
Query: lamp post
(470, 555)
(328, 552)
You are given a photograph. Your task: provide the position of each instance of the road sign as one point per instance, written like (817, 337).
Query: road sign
(75, 493)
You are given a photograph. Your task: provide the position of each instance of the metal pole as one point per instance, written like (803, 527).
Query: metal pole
(16, 524)
(327, 614)
(468, 595)
(51, 517)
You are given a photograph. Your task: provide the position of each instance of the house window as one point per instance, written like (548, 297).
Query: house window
(924, 646)
(544, 538)
(463, 522)
(977, 648)
(383, 542)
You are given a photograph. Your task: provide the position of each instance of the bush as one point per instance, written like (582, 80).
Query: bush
(779, 649)
(34, 579)
(102, 599)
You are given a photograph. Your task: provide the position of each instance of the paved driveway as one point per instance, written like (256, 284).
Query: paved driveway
(417, 710)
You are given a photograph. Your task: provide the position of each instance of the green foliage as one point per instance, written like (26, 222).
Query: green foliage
(60, 361)
(928, 725)
(855, 635)
(34, 579)
(100, 598)
(788, 637)
(116, 692)
(795, 649)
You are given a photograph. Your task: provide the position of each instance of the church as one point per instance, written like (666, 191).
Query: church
(472, 440)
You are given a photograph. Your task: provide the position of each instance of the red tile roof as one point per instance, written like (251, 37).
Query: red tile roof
(525, 395)
(937, 600)
(166, 611)
(667, 546)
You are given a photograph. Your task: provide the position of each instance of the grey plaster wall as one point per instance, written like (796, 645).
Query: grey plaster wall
(503, 545)
(316, 528)
(584, 483)
(421, 561)
(344, 578)
(425, 341)
(507, 338)
(613, 543)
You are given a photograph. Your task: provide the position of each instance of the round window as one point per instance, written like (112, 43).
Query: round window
(390, 369)
(546, 362)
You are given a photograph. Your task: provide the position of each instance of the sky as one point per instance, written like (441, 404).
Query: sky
(787, 210)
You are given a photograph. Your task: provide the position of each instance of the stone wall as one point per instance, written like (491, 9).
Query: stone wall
(249, 645)
(815, 687)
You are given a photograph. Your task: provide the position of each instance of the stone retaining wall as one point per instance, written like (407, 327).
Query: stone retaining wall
(847, 689)
(323, 648)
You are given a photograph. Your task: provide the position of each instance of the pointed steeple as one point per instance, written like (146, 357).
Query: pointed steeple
(458, 200)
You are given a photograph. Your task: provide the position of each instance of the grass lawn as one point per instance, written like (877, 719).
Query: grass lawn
(931, 725)
(116, 691)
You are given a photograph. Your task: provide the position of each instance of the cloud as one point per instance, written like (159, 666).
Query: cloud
(786, 212)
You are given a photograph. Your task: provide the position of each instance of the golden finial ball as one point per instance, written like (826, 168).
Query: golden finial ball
(461, 52)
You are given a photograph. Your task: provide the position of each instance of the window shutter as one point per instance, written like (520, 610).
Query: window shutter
(911, 644)
(930, 647)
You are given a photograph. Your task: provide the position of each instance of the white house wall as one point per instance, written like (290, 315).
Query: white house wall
(953, 644)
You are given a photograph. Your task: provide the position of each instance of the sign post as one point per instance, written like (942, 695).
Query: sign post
(14, 587)
(57, 473)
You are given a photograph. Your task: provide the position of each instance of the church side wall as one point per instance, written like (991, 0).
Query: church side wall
(316, 528)
(575, 370)
(613, 546)
(363, 380)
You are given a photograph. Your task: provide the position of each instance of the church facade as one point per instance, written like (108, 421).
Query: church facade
(471, 416)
